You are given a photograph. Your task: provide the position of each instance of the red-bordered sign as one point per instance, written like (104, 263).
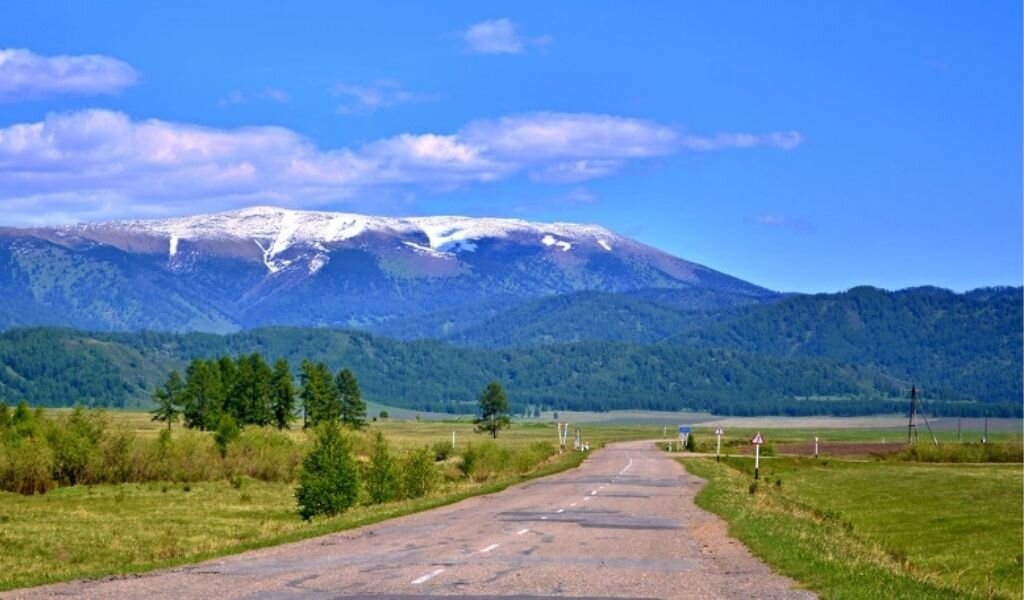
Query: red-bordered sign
(758, 440)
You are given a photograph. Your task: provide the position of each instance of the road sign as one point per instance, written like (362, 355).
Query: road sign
(684, 429)
(757, 442)
(719, 431)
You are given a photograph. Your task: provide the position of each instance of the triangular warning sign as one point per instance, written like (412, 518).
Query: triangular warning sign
(758, 440)
(719, 431)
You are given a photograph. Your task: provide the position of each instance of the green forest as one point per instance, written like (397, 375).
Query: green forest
(59, 367)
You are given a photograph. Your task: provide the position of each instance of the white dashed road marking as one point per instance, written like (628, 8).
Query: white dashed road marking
(522, 531)
(428, 576)
(489, 548)
(561, 510)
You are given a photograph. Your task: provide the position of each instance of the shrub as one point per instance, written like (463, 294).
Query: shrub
(691, 443)
(26, 466)
(227, 432)
(381, 475)
(442, 450)
(266, 454)
(485, 460)
(419, 477)
(328, 483)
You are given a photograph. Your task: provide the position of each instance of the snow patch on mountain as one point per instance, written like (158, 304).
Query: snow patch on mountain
(549, 240)
(277, 230)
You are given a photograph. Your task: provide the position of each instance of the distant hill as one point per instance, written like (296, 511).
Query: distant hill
(60, 367)
(953, 345)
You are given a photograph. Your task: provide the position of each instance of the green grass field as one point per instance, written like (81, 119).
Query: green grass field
(91, 531)
(856, 530)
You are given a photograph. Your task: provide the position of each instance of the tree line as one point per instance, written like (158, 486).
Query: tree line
(215, 394)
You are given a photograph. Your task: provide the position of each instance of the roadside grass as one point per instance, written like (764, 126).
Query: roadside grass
(854, 530)
(82, 531)
(95, 531)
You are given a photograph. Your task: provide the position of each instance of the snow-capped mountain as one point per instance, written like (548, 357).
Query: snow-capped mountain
(265, 265)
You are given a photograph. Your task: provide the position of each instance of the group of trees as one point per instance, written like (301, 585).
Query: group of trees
(225, 392)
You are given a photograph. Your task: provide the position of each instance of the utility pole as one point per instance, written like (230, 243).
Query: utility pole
(912, 423)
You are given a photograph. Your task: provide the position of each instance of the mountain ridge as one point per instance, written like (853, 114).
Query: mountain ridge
(267, 266)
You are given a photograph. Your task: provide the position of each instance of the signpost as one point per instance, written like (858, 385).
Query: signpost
(718, 453)
(815, 446)
(757, 442)
(684, 432)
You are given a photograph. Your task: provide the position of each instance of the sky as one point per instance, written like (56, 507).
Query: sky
(800, 145)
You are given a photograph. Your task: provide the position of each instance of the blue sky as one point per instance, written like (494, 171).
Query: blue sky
(804, 146)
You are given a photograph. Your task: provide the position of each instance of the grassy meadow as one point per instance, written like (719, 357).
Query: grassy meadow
(874, 529)
(184, 502)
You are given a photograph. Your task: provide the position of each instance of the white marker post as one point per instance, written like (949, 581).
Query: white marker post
(815, 446)
(757, 442)
(453, 440)
(718, 453)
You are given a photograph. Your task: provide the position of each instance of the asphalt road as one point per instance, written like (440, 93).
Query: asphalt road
(622, 525)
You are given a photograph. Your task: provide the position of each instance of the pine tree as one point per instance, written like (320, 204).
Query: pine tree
(249, 402)
(282, 393)
(168, 399)
(353, 408)
(204, 395)
(493, 410)
(321, 401)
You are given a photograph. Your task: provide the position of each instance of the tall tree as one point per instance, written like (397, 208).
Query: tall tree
(204, 395)
(493, 410)
(321, 401)
(282, 394)
(353, 408)
(249, 402)
(168, 399)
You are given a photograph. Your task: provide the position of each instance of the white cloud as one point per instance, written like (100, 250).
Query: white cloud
(25, 75)
(100, 163)
(271, 94)
(566, 135)
(362, 99)
(783, 140)
(499, 36)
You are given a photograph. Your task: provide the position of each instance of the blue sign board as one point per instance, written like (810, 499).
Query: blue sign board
(684, 429)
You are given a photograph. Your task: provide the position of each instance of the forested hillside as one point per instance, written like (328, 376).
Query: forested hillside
(62, 367)
(952, 345)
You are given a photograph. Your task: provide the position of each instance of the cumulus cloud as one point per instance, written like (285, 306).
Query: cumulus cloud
(75, 165)
(499, 36)
(25, 75)
(367, 98)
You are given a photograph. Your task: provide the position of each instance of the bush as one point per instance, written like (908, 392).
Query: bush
(381, 473)
(691, 443)
(329, 482)
(486, 460)
(419, 477)
(442, 450)
(266, 454)
(26, 466)
(227, 432)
